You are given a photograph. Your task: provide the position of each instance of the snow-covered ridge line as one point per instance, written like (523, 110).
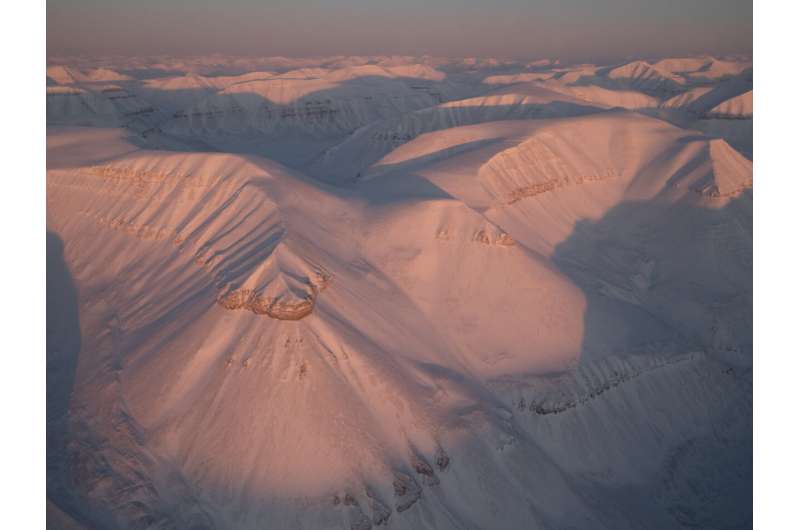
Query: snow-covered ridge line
(220, 247)
(529, 309)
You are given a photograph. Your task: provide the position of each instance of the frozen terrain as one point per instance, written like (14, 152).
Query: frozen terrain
(411, 293)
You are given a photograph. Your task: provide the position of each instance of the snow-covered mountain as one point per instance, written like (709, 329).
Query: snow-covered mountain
(101, 105)
(393, 292)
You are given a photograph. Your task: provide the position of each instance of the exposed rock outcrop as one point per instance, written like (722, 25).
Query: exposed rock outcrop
(281, 307)
(500, 238)
(442, 459)
(380, 512)
(406, 490)
(275, 308)
(553, 184)
(425, 470)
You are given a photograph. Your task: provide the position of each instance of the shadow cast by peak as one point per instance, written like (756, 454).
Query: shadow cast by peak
(63, 331)
(303, 132)
(63, 339)
(664, 277)
(250, 112)
(236, 118)
(356, 153)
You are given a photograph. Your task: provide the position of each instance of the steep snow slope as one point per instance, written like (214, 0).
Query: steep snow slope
(706, 109)
(638, 76)
(719, 69)
(538, 180)
(737, 132)
(629, 99)
(293, 119)
(65, 75)
(106, 75)
(178, 93)
(179, 235)
(417, 71)
(520, 101)
(700, 100)
(508, 79)
(348, 159)
(543, 63)
(681, 65)
(689, 100)
(101, 105)
(740, 106)
(340, 101)
(486, 332)
(517, 309)
(573, 74)
(641, 76)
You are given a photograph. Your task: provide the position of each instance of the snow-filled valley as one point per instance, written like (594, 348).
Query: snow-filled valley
(399, 292)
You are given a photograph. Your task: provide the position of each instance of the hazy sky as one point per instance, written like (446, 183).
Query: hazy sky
(568, 29)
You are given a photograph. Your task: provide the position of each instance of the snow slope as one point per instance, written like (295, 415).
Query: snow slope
(335, 102)
(740, 106)
(508, 79)
(105, 75)
(517, 102)
(644, 77)
(347, 160)
(528, 308)
(65, 75)
(101, 105)
(719, 69)
(701, 100)
(682, 65)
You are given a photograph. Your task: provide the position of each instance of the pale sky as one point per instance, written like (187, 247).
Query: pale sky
(573, 30)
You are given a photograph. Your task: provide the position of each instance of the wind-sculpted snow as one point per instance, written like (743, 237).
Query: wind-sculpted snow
(479, 300)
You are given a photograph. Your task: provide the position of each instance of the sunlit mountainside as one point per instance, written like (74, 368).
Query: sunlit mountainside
(401, 292)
